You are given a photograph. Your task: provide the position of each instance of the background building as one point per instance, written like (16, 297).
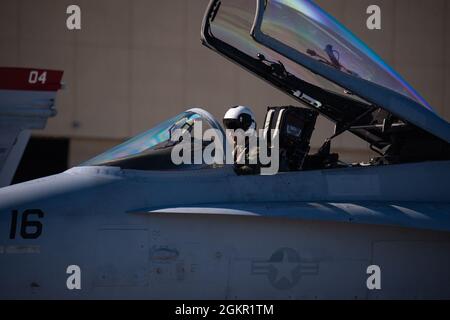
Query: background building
(138, 62)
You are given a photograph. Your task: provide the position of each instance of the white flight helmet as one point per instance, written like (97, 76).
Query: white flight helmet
(239, 117)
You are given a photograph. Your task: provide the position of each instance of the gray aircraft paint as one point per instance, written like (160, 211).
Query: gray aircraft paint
(106, 221)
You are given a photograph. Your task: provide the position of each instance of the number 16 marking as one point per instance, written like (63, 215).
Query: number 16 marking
(26, 224)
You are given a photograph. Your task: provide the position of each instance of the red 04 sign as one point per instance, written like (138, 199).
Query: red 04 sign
(36, 77)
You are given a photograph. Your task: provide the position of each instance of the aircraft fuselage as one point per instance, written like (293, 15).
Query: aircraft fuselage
(210, 234)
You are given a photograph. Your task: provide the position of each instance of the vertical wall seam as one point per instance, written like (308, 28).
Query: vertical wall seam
(446, 57)
(130, 67)
(186, 50)
(74, 85)
(394, 35)
(19, 32)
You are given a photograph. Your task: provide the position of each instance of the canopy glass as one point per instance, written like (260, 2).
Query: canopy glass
(302, 25)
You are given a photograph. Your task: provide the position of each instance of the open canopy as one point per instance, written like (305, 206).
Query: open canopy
(303, 26)
(302, 50)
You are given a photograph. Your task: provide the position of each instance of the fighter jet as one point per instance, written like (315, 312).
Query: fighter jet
(132, 224)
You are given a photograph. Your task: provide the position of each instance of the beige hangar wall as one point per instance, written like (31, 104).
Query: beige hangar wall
(138, 62)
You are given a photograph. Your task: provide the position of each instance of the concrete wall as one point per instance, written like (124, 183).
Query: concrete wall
(138, 62)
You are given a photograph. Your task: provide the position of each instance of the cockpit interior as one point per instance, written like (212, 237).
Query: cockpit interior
(301, 50)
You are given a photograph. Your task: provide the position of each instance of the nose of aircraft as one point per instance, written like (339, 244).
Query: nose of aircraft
(34, 191)
(31, 196)
(63, 188)
(70, 193)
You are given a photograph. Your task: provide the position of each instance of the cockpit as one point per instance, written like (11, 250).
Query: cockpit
(301, 50)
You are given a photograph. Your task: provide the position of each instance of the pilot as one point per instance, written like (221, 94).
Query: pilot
(245, 156)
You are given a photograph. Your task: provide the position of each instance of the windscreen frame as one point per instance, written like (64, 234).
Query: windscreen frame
(391, 102)
(250, 64)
